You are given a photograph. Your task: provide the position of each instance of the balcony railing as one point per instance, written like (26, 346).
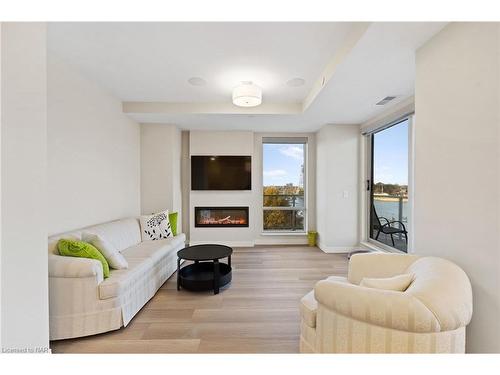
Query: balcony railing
(283, 212)
(393, 208)
(284, 200)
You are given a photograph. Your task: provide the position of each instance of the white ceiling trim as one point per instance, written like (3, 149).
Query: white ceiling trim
(210, 108)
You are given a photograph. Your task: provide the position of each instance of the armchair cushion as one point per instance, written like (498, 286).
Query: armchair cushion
(309, 305)
(397, 283)
(384, 308)
(308, 309)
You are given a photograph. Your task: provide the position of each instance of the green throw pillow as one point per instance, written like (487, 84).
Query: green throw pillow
(80, 249)
(172, 217)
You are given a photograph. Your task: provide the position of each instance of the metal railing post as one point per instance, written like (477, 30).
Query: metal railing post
(400, 214)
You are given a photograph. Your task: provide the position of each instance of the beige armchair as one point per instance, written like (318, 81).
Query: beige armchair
(430, 316)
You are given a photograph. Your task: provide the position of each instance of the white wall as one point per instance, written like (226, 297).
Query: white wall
(93, 153)
(185, 182)
(244, 143)
(161, 169)
(1, 227)
(457, 167)
(223, 143)
(24, 294)
(337, 187)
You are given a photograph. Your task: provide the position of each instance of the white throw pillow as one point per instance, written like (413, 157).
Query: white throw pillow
(112, 255)
(397, 283)
(155, 227)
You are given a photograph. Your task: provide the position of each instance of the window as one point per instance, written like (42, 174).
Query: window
(389, 207)
(284, 203)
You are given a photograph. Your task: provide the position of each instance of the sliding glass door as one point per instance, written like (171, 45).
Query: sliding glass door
(389, 205)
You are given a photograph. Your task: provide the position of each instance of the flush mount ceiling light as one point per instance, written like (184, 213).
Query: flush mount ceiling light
(247, 95)
(197, 81)
(296, 82)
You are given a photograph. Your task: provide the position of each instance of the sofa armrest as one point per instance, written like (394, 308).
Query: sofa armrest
(64, 266)
(378, 265)
(384, 308)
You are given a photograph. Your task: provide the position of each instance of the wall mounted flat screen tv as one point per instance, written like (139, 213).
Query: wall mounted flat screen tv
(221, 173)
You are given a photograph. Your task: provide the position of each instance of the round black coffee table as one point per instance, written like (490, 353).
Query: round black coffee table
(206, 272)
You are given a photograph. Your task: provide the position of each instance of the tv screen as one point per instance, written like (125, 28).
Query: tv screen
(221, 173)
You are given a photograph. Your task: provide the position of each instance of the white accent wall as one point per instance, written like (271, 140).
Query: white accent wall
(23, 228)
(93, 153)
(243, 143)
(337, 187)
(161, 170)
(223, 143)
(457, 164)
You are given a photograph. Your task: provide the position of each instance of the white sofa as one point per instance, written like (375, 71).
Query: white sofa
(339, 316)
(82, 302)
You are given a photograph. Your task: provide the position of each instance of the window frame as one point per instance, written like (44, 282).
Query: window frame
(286, 141)
(366, 238)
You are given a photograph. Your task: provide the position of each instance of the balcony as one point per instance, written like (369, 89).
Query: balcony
(393, 208)
(284, 212)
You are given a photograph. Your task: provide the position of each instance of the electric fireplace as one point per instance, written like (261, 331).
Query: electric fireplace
(218, 217)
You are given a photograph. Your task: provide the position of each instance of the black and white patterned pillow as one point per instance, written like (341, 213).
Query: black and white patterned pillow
(155, 227)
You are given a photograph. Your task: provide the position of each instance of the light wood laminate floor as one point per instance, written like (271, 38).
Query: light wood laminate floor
(257, 313)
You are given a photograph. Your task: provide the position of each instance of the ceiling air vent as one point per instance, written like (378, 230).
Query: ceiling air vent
(386, 100)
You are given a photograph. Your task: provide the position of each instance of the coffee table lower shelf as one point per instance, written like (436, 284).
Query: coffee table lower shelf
(200, 276)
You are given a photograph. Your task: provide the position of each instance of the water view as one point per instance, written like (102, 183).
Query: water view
(389, 211)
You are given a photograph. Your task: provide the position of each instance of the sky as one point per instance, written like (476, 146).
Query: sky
(390, 156)
(282, 163)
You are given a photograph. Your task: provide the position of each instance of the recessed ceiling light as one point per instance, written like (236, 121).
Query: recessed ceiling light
(247, 95)
(197, 81)
(296, 82)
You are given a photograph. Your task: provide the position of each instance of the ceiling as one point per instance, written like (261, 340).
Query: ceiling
(347, 68)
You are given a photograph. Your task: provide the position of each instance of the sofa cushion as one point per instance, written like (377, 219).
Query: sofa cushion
(120, 233)
(172, 218)
(141, 259)
(120, 281)
(155, 227)
(155, 249)
(80, 249)
(112, 255)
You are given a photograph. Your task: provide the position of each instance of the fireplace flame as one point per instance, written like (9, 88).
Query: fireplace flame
(226, 220)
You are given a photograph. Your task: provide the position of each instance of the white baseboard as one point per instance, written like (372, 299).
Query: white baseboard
(281, 241)
(227, 243)
(337, 249)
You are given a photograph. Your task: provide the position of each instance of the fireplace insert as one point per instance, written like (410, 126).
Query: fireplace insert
(220, 217)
